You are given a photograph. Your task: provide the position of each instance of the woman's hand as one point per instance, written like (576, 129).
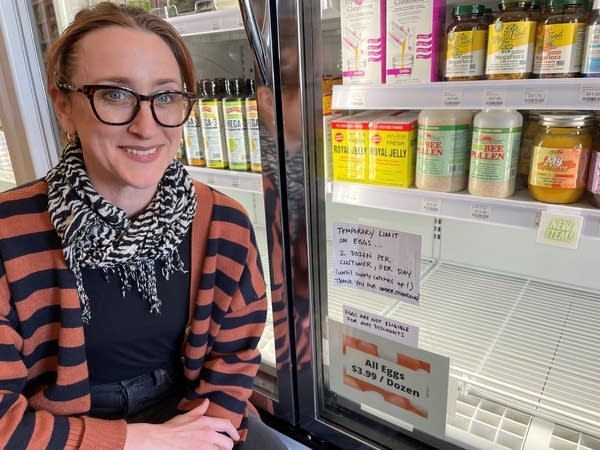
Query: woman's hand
(192, 430)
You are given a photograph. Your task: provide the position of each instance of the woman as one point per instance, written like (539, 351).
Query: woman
(131, 298)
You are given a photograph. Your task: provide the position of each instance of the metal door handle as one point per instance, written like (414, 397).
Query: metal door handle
(258, 45)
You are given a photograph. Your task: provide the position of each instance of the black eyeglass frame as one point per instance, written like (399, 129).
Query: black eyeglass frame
(90, 89)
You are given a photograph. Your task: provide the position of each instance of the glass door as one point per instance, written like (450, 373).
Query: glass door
(224, 146)
(214, 31)
(442, 319)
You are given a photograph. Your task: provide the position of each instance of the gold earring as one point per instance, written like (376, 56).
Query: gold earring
(72, 139)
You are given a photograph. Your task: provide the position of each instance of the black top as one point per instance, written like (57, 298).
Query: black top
(123, 339)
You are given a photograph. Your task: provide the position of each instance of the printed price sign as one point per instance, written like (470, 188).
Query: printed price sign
(535, 96)
(452, 97)
(379, 260)
(383, 326)
(493, 97)
(407, 383)
(481, 212)
(357, 99)
(590, 95)
(432, 205)
(560, 230)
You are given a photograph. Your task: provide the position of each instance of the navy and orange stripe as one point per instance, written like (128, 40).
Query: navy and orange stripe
(44, 383)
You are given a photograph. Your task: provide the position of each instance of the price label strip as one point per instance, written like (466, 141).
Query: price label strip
(432, 205)
(590, 95)
(535, 96)
(452, 97)
(493, 97)
(481, 212)
(357, 99)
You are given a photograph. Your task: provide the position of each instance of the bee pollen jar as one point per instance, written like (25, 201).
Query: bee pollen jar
(443, 143)
(495, 153)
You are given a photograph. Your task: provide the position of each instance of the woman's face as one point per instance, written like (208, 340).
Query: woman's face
(125, 163)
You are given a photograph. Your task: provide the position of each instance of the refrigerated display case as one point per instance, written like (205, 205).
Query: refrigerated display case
(217, 39)
(444, 319)
(492, 340)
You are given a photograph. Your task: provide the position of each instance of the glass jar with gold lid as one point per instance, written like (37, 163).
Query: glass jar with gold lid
(560, 157)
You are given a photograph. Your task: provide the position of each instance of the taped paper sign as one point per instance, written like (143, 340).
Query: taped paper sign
(407, 383)
(384, 261)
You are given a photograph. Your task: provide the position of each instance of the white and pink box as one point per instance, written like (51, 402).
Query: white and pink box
(363, 41)
(413, 40)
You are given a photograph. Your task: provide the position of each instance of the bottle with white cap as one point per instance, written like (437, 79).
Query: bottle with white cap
(591, 48)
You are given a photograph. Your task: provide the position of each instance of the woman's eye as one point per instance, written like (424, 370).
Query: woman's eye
(114, 95)
(164, 97)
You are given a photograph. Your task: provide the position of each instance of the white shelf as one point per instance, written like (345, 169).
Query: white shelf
(564, 93)
(518, 210)
(230, 179)
(208, 22)
(524, 344)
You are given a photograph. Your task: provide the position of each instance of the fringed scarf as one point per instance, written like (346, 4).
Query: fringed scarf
(96, 234)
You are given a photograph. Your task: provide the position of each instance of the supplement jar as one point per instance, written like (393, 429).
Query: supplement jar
(466, 43)
(560, 38)
(495, 153)
(530, 131)
(560, 158)
(511, 39)
(591, 48)
(443, 144)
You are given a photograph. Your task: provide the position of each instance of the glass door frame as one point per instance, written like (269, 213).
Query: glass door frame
(25, 110)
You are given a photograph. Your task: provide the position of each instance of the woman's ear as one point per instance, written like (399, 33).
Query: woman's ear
(62, 108)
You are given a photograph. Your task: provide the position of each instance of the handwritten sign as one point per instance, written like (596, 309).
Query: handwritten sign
(378, 260)
(407, 383)
(382, 326)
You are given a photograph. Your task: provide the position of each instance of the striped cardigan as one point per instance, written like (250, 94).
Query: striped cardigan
(44, 383)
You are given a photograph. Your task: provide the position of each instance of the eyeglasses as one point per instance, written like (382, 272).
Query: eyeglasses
(114, 105)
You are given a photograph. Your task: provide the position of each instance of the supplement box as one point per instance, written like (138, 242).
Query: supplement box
(392, 149)
(413, 40)
(349, 146)
(363, 41)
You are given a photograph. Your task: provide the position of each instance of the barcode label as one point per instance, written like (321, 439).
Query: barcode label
(432, 205)
(357, 99)
(452, 97)
(481, 212)
(535, 96)
(493, 97)
(456, 168)
(590, 95)
(351, 195)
